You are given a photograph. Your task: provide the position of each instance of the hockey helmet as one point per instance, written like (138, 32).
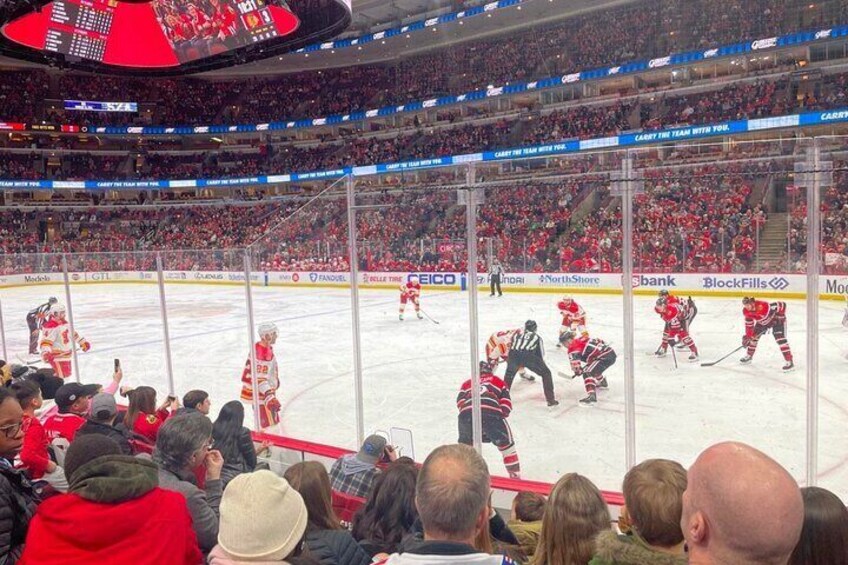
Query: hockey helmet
(267, 328)
(486, 367)
(663, 293)
(659, 307)
(57, 309)
(567, 299)
(566, 337)
(412, 278)
(530, 325)
(52, 300)
(748, 301)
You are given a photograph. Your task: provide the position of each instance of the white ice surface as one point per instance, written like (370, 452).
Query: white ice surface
(412, 371)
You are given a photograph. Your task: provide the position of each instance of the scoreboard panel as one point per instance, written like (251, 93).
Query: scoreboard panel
(160, 33)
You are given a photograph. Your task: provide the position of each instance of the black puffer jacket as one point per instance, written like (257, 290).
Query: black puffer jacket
(335, 547)
(17, 506)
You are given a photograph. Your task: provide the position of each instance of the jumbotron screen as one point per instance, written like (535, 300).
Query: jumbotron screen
(160, 33)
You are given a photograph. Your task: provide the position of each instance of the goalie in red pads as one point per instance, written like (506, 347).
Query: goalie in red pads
(267, 377)
(56, 344)
(760, 317)
(496, 406)
(410, 291)
(590, 357)
(676, 328)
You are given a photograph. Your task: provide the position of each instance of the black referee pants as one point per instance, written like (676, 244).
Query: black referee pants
(535, 363)
(496, 282)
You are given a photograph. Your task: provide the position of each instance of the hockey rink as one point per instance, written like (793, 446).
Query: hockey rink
(413, 370)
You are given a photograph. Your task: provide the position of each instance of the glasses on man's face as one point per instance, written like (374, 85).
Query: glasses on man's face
(12, 430)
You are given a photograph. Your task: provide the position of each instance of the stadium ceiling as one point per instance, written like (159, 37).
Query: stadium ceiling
(376, 15)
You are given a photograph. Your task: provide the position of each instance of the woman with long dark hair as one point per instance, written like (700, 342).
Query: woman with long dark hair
(824, 538)
(389, 512)
(326, 539)
(233, 440)
(142, 417)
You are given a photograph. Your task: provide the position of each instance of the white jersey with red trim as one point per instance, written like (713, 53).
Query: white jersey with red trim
(56, 340)
(573, 317)
(410, 289)
(497, 348)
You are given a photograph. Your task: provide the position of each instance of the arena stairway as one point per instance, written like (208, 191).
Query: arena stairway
(773, 240)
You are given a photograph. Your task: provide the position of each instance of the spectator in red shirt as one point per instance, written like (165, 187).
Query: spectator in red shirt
(143, 418)
(35, 459)
(72, 401)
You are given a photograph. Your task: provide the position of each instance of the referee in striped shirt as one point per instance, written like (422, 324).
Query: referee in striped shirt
(497, 272)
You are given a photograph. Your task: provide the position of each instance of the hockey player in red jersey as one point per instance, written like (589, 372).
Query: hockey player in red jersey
(496, 406)
(56, 345)
(497, 351)
(410, 291)
(761, 316)
(675, 328)
(687, 307)
(590, 357)
(267, 377)
(573, 317)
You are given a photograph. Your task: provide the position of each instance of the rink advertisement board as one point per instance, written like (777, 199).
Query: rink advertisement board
(694, 284)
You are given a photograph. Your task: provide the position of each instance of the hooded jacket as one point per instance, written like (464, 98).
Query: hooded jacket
(614, 549)
(18, 502)
(114, 513)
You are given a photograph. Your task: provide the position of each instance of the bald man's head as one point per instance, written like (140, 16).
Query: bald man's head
(740, 506)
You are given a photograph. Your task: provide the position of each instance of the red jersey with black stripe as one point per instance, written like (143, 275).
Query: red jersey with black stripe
(494, 396)
(763, 315)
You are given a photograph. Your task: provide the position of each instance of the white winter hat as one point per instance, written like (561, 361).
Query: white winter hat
(262, 517)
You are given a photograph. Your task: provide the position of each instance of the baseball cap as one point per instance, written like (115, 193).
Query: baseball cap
(103, 406)
(372, 449)
(71, 392)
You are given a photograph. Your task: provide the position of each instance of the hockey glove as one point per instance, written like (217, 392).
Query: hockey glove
(274, 405)
(85, 345)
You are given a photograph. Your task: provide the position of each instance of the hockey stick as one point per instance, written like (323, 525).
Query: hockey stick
(565, 375)
(426, 315)
(673, 354)
(723, 358)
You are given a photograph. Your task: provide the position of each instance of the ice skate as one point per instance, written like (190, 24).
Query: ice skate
(514, 475)
(552, 403)
(789, 366)
(693, 357)
(527, 377)
(661, 352)
(746, 360)
(603, 383)
(400, 317)
(591, 399)
(420, 317)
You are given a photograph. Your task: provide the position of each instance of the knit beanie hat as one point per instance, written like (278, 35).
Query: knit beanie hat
(86, 448)
(262, 517)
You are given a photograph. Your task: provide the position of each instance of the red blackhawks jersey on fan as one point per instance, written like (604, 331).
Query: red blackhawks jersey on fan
(494, 396)
(411, 289)
(63, 426)
(763, 315)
